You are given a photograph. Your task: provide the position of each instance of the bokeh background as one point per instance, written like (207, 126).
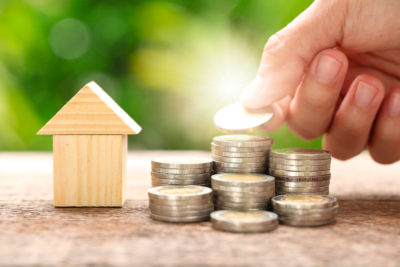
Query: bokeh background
(170, 64)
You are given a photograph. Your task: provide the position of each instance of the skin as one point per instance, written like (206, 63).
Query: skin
(335, 71)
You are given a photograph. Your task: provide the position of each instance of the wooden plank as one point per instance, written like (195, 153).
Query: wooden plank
(91, 111)
(89, 170)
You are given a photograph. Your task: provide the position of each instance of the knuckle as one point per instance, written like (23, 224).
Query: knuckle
(274, 41)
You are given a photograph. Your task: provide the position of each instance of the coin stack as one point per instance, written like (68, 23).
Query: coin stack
(244, 221)
(305, 209)
(181, 171)
(300, 170)
(241, 153)
(189, 203)
(233, 191)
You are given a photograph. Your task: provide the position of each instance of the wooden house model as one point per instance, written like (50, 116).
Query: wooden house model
(89, 150)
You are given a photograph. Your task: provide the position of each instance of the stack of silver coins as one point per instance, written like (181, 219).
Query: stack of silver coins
(241, 153)
(233, 191)
(244, 221)
(300, 170)
(305, 209)
(181, 171)
(189, 203)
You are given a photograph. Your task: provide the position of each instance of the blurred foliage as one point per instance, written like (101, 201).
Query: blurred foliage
(170, 64)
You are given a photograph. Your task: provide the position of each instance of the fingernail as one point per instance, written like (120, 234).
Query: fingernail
(364, 94)
(326, 69)
(394, 105)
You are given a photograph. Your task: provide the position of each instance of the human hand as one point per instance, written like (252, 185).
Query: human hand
(335, 69)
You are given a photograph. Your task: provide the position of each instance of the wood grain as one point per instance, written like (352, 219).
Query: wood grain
(89, 170)
(91, 111)
(33, 232)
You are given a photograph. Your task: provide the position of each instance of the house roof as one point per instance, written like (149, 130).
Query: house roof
(91, 111)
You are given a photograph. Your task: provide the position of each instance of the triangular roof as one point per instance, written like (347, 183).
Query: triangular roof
(91, 111)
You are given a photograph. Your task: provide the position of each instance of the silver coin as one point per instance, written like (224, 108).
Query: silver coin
(203, 171)
(264, 148)
(297, 168)
(179, 192)
(242, 199)
(181, 162)
(244, 222)
(244, 161)
(229, 179)
(298, 174)
(205, 206)
(156, 183)
(180, 176)
(300, 153)
(326, 192)
(247, 205)
(302, 184)
(235, 118)
(182, 181)
(244, 194)
(308, 217)
(242, 140)
(241, 170)
(300, 162)
(307, 223)
(185, 219)
(303, 179)
(301, 212)
(303, 201)
(185, 213)
(182, 203)
(240, 208)
(240, 155)
(256, 190)
(241, 165)
(301, 189)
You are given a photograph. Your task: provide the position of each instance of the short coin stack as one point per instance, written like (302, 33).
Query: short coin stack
(244, 221)
(181, 171)
(305, 209)
(300, 170)
(234, 191)
(180, 203)
(241, 153)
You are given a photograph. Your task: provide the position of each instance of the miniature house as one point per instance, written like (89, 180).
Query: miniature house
(89, 150)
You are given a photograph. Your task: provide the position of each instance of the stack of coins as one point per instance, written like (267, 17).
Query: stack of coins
(244, 221)
(181, 171)
(189, 203)
(234, 191)
(305, 209)
(300, 170)
(241, 153)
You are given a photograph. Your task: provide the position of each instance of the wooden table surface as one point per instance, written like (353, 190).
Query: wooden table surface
(33, 232)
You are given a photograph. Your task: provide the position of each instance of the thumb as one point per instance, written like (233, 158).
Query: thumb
(288, 52)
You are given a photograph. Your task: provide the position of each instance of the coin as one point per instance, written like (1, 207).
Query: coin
(244, 222)
(205, 206)
(301, 184)
(235, 118)
(301, 189)
(241, 165)
(188, 192)
(243, 140)
(244, 194)
(297, 168)
(293, 222)
(219, 169)
(179, 213)
(182, 181)
(300, 153)
(243, 161)
(240, 149)
(182, 203)
(290, 211)
(298, 174)
(303, 179)
(224, 154)
(326, 192)
(304, 201)
(240, 206)
(230, 179)
(181, 162)
(300, 162)
(180, 176)
(182, 171)
(185, 219)
(242, 199)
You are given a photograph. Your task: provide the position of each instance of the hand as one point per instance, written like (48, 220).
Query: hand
(335, 69)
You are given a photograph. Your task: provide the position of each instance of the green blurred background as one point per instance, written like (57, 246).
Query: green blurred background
(170, 64)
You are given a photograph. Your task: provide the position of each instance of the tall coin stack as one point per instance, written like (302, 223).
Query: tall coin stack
(242, 192)
(189, 203)
(300, 170)
(181, 171)
(241, 153)
(305, 209)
